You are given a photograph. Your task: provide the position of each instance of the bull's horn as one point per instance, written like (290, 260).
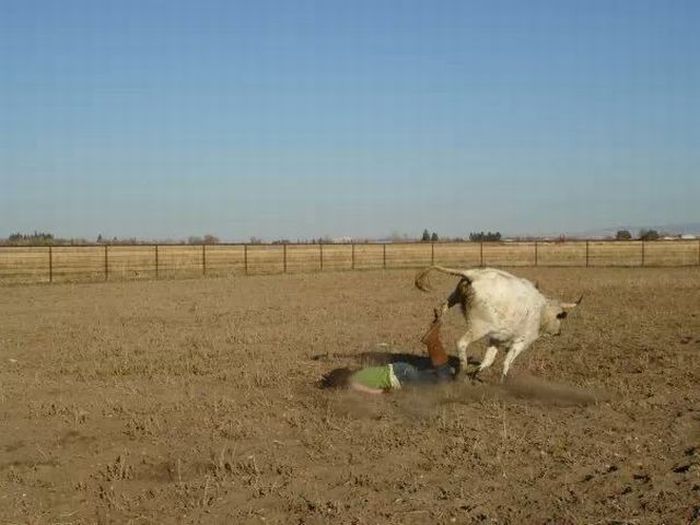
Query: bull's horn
(572, 305)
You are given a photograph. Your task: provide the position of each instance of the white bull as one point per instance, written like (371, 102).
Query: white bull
(509, 310)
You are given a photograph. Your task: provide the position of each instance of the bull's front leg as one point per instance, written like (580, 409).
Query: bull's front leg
(515, 350)
(462, 345)
(487, 360)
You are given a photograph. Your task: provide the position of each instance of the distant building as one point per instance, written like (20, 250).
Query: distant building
(688, 237)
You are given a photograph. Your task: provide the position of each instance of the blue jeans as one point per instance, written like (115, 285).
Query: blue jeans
(408, 374)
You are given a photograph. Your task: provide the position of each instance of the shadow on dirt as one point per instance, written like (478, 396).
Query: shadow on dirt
(382, 357)
(525, 386)
(522, 387)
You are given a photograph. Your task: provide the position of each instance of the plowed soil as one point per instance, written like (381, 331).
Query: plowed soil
(195, 402)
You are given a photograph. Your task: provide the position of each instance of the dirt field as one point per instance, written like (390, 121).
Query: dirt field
(193, 401)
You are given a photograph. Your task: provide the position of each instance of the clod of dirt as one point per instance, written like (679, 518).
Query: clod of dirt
(644, 478)
(682, 468)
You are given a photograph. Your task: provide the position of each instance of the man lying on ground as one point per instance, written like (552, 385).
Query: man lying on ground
(380, 379)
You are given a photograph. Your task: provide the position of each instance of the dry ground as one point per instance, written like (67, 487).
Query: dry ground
(194, 401)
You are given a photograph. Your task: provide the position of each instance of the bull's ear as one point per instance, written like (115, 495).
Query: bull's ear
(567, 306)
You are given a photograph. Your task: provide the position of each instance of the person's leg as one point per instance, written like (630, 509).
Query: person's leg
(407, 374)
(438, 357)
(436, 350)
(444, 373)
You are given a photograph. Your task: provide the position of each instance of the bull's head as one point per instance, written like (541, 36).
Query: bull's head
(553, 314)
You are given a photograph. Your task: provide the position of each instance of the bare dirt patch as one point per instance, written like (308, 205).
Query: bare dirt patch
(194, 401)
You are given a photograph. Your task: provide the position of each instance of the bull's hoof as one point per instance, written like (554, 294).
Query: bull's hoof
(474, 377)
(461, 375)
(468, 373)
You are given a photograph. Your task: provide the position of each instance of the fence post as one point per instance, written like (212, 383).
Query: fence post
(384, 256)
(586, 254)
(698, 252)
(284, 257)
(245, 258)
(481, 253)
(106, 264)
(535, 253)
(204, 259)
(156, 261)
(642, 252)
(432, 254)
(352, 257)
(320, 254)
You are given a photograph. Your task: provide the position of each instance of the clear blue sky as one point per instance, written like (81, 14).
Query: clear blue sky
(163, 119)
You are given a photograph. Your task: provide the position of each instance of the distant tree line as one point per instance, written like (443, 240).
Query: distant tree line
(644, 235)
(31, 238)
(648, 235)
(39, 239)
(485, 237)
(428, 237)
(474, 237)
(45, 239)
(207, 239)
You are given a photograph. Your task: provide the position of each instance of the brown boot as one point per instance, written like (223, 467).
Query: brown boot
(431, 339)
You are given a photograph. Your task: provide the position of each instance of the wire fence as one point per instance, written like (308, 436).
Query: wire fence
(49, 264)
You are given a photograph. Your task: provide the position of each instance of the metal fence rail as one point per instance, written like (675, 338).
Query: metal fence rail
(36, 264)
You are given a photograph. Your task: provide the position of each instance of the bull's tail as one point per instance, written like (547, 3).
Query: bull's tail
(422, 281)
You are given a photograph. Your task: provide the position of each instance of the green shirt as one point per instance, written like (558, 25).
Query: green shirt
(379, 377)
